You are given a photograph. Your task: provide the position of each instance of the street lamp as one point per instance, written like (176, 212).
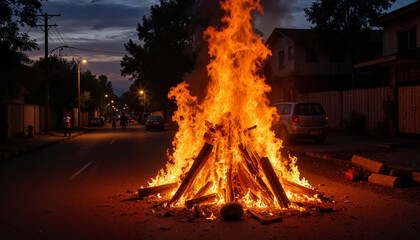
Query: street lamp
(78, 91)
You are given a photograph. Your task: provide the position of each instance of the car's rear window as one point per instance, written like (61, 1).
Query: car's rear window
(309, 109)
(284, 109)
(155, 118)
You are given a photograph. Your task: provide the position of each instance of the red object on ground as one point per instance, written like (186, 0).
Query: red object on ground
(353, 175)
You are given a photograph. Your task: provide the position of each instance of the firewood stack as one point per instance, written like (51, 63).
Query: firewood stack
(253, 176)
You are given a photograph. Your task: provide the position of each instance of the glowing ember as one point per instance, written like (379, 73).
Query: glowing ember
(225, 149)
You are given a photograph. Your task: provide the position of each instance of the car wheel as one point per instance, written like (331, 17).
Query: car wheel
(320, 139)
(283, 135)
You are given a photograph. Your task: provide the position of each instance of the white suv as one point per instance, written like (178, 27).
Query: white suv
(301, 120)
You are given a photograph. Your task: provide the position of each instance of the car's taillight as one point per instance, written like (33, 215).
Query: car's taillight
(295, 118)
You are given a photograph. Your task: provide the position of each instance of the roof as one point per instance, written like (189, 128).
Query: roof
(294, 34)
(302, 35)
(413, 8)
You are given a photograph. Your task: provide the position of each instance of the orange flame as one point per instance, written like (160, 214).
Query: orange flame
(235, 101)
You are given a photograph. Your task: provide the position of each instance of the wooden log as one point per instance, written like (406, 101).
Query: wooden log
(200, 200)
(299, 189)
(247, 182)
(274, 182)
(368, 164)
(415, 176)
(385, 180)
(203, 190)
(198, 164)
(254, 214)
(230, 195)
(406, 174)
(165, 188)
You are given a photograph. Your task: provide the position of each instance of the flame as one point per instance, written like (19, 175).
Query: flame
(235, 101)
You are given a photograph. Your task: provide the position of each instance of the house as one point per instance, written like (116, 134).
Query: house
(295, 68)
(401, 62)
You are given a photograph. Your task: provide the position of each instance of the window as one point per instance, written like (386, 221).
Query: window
(284, 109)
(291, 52)
(311, 56)
(281, 60)
(406, 40)
(287, 108)
(280, 109)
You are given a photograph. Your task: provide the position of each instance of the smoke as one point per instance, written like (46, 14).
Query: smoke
(277, 13)
(208, 13)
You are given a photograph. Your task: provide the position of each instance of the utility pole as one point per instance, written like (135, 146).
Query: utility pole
(47, 84)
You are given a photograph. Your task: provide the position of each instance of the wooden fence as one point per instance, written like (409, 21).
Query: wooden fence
(339, 104)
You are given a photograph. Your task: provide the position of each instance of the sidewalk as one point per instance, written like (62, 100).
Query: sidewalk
(20, 145)
(396, 151)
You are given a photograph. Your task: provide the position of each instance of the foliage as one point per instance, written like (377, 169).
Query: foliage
(342, 25)
(15, 14)
(160, 61)
(62, 77)
(355, 124)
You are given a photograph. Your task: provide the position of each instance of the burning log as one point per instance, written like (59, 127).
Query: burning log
(200, 200)
(274, 182)
(368, 164)
(254, 214)
(250, 184)
(230, 195)
(385, 180)
(198, 164)
(145, 192)
(296, 188)
(203, 189)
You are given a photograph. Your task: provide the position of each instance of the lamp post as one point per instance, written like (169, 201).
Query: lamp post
(78, 91)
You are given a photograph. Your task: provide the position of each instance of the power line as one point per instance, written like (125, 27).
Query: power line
(97, 51)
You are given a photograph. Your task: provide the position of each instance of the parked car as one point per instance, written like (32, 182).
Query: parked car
(301, 120)
(94, 121)
(154, 122)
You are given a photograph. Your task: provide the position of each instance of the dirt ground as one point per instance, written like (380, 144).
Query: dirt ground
(361, 211)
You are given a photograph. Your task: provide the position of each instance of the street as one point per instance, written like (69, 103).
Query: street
(78, 189)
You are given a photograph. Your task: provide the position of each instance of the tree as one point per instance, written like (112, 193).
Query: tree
(342, 25)
(15, 14)
(161, 60)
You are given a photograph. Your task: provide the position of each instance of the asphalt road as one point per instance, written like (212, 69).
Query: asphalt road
(77, 190)
(58, 192)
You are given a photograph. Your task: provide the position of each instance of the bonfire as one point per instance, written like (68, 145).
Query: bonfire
(225, 149)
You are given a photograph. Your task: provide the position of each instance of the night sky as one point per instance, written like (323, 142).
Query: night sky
(106, 25)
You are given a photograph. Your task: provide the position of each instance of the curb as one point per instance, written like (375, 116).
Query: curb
(328, 157)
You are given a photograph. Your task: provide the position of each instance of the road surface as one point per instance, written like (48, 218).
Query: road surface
(78, 190)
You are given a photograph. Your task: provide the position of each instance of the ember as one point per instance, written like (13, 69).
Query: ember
(225, 150)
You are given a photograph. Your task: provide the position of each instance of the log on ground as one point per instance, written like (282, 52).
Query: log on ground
(385, 180)
(263, 220)
(165, 188)
(415, 176)
(368, 164)
(405, 174)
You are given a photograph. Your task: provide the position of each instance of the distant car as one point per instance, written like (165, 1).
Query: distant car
(154, 122)
(94, 121)
(301, 120)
